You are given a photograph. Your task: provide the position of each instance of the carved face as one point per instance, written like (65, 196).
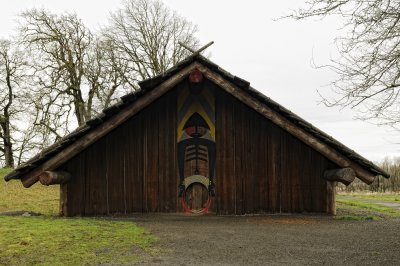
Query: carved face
(196, 131)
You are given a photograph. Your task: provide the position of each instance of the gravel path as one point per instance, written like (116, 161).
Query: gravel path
(272, 240)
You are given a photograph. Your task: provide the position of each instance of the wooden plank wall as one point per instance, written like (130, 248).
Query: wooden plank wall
(260, 167)
(132, 169)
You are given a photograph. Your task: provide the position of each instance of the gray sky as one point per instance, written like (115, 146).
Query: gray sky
(275, 56)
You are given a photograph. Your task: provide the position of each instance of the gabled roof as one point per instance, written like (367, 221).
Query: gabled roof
(151, 89)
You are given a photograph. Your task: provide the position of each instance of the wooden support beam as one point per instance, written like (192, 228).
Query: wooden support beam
(343, 175)
(331, 197)
(64, 200)
(102, 129)
(48, 178)
(282, 122)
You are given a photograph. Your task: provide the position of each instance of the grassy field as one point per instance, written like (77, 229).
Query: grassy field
(38, 198)
(367, 206)
(51, 240)
(388, 197)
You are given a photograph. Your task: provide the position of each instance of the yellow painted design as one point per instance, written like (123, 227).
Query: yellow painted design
(196, 107)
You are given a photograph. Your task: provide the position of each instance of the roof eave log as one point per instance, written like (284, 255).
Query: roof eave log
(48, 178)
(343, 175)
(281, 121)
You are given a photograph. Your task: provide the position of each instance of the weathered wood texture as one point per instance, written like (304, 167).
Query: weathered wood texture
(48, 178)
(343, 175)
(132, 169)
(331, 197)
(259, 168)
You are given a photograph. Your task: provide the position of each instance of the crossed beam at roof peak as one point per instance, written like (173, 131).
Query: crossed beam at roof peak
(196, 52)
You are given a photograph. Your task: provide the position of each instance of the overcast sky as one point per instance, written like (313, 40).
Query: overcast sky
(274, 56)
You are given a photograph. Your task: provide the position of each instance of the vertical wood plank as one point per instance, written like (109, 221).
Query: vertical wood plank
(151, 157)
(95, 169)
(225, 154)
(115, 170)
(239, 171)
(75, 203)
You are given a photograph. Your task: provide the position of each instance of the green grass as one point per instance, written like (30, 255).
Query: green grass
(38, 198)
(53, 240)
(59, 241)
(389, 197)
(365, 205)
(355, 218)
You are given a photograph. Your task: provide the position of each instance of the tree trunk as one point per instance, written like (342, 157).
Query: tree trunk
(5, 123)
(6, 136)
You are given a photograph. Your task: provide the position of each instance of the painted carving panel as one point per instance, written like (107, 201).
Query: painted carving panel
(196, 144)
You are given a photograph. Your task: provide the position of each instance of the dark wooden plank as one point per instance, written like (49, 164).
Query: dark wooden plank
(168, 177)
(240, 173)
(220, 113)
(249, 149)
(151, 158)
(97, 178)
(76, 187)
(136, 165)
(307, 181)
(129, 165)
(225, 156)
(171, 170)
(273, 164)
(163, 156)
(115, 171)
(264, 156)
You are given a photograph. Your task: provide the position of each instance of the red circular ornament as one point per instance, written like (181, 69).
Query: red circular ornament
(196, 76)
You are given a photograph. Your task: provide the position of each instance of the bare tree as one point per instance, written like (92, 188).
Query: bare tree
(369, 66)
(60, 44)
(105, 73)
(145, 34)
(77, 73)
(12, 71)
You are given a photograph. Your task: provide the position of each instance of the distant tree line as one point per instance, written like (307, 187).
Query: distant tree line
(381, 184)
(56, 73)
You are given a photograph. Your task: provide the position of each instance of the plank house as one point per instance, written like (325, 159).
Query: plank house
(196, 139)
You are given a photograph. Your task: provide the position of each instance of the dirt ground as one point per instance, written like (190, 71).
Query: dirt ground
(272, 240)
